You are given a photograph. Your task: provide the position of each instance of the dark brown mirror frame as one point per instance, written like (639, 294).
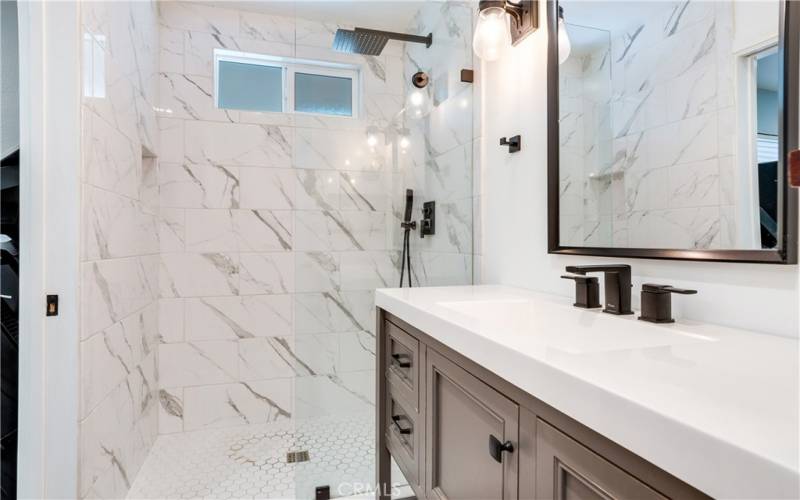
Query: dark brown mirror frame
(786, 252)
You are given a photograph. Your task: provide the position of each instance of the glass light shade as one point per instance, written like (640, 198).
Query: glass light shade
(492, 34)
(418, 102)
(564, 45)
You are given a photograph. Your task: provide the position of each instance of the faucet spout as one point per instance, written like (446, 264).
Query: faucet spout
(617, 284)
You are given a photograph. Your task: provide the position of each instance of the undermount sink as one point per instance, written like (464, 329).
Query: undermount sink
(566, 328)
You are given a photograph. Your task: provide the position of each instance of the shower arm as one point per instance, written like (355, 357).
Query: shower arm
(427, 40)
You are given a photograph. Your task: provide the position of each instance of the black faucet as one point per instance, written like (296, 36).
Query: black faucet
(617, 282)
(657, 302)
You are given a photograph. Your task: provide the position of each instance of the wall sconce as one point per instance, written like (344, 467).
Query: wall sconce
(502, 23)
(564, 45)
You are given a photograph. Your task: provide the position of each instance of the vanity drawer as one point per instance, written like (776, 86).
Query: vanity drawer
(402, 364)
(404, 438)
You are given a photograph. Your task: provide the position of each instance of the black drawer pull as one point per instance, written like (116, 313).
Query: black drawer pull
(402, 430)
(398, 360)
(496, 448)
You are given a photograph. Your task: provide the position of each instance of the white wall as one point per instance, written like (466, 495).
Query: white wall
(514, 215)
(49, 191)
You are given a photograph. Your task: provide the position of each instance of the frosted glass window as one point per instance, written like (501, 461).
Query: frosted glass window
(253, 87)
(322, 94)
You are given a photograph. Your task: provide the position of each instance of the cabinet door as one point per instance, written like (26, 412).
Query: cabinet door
(567, 470)
(463, 415)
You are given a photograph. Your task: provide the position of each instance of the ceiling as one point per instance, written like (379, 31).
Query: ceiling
(393, 15)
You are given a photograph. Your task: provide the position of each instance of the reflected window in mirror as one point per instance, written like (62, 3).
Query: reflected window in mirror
(765, 79)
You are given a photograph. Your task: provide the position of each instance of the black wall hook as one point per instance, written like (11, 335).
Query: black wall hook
(514, 143)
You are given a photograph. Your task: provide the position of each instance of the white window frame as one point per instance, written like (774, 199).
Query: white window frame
(748, 203)
(291, 66)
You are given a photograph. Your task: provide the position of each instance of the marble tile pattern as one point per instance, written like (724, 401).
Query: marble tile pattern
(275, 228)
(442, 163)
(645, 129)
(120, 261)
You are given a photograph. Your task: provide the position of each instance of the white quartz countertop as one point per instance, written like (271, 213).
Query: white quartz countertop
(715, 406)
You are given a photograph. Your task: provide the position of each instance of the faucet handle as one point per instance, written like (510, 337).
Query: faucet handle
(587, 290)
(650, 287)
(657, 302)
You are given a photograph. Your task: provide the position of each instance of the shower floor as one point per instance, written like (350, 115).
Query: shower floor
(251, 461)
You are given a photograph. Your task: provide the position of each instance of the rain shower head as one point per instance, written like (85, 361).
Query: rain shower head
(371, 42)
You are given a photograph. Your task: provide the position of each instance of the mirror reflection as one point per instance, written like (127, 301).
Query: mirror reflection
(668, 124)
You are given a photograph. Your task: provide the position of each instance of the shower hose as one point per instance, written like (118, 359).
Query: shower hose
(405, 259)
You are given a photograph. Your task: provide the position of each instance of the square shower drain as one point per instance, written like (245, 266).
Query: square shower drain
(296, 456)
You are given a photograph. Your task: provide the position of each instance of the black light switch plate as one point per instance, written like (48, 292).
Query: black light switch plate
(52, 305)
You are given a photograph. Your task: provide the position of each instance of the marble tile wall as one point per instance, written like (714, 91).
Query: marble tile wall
(664, 178)
(442, 163)
(275, 229)
(119, 245)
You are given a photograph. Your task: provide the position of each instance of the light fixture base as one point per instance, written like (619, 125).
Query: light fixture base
(524, 18)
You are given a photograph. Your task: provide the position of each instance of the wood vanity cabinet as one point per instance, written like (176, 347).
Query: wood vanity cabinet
(463, 415)
(457, 431)
(567, 470)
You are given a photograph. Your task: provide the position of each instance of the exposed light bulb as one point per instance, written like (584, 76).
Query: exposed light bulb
(492, 34)
(564, 45)
(372, 140)
(404, 142)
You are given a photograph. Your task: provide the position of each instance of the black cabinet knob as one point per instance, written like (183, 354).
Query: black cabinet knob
(496, 448)
(401, 360)
(402, 430)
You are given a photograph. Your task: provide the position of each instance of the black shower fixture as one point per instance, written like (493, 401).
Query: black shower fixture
(407, 225)
(420, 79)
(371, 42)
(427, 225)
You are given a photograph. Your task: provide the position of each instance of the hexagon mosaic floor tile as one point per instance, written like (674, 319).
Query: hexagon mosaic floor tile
(251, 461)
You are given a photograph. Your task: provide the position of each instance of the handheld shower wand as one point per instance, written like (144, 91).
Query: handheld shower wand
(407, 226)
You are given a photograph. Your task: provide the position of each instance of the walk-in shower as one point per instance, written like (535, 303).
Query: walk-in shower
(241, 209)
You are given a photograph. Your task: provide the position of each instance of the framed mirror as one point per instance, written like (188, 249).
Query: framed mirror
(668, 127)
